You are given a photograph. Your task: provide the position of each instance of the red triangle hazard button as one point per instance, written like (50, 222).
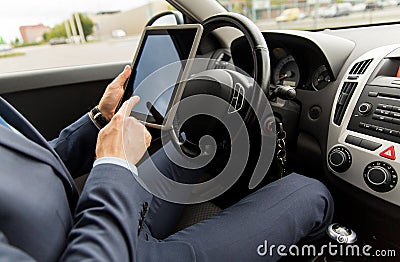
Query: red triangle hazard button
(388, 153)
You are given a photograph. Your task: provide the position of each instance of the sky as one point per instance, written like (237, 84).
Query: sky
(14, 13)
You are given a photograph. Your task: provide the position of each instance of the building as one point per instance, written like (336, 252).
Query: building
(131, 21)
(33, 33)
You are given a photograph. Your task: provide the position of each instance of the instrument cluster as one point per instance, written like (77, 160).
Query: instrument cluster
(290, 69)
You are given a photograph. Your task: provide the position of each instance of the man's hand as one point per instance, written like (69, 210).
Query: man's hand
(124, 137)
(113, 94)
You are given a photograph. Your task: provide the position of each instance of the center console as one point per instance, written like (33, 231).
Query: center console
(364, 131)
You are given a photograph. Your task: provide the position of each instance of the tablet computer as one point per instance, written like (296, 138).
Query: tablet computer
(161, 64)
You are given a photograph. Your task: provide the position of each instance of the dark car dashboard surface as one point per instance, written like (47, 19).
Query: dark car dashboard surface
(348, 131)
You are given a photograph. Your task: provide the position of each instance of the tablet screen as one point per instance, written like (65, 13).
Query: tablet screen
(158, 66)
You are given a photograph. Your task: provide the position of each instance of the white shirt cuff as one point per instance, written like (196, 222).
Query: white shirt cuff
(116, 161)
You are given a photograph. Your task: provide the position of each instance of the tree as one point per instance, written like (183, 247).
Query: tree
(59, 29)
(87, 24)
(55, 32)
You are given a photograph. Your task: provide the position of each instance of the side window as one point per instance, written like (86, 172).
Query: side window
(46, 34)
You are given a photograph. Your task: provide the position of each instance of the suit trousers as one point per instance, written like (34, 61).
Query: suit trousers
(283, 212)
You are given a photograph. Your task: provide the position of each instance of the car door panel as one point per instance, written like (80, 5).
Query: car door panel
(61, 94)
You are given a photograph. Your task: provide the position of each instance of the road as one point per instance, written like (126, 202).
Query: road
(114, 50)
(47, 56)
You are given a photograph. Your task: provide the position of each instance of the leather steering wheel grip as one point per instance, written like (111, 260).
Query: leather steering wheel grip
(262, 71)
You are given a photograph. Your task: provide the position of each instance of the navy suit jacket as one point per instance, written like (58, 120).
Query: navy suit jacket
(43, 218)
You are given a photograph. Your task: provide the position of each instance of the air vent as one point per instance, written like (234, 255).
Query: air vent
(343, 101)
(360, 67)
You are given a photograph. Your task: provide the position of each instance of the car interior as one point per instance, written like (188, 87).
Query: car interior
(335, 92)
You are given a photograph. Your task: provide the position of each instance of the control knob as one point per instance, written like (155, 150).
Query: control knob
(365, 108)
(339, 159)
(380, 176)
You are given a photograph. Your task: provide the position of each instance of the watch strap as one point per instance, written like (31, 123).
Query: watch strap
(98, 118)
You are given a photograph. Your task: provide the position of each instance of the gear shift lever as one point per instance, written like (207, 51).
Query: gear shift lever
(341, 234)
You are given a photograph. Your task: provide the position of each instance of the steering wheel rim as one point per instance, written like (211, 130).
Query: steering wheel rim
(258, 45)
(177, 15)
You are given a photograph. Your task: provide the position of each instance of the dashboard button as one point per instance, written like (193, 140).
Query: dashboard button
(370, 127)
(396, 109)
(389, 153)
(378, 129)
(395, 121)
(395, 114)
(373, 94)
(369, 145)
(381, 118)
(353, 140)
(389, 132)
(383, 112)
(384, 106)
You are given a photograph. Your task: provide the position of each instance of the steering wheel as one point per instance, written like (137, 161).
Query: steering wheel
(252, 90)
(225, 111)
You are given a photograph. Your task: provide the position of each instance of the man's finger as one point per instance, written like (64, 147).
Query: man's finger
(133, 101)
(128, 105)
(123, 76)
(147, 138)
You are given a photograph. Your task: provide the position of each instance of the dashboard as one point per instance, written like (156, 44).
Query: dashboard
(365, 122)
(363, 129)
(353, 142)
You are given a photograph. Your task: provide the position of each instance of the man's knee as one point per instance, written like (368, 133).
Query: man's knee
(303, 205)
(315, 201)
(311, 191)
(300, 194)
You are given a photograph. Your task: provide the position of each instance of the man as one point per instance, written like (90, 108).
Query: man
(115, 219)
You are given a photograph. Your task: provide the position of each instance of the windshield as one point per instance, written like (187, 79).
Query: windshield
(315, 14)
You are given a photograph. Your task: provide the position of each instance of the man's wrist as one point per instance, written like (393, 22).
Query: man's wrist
(98, 118)
(106, 113)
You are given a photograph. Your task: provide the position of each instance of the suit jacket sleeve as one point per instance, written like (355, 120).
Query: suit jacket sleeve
(76, 146)
(108, 216)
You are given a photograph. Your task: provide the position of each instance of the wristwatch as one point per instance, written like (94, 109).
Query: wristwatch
(98, 118)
